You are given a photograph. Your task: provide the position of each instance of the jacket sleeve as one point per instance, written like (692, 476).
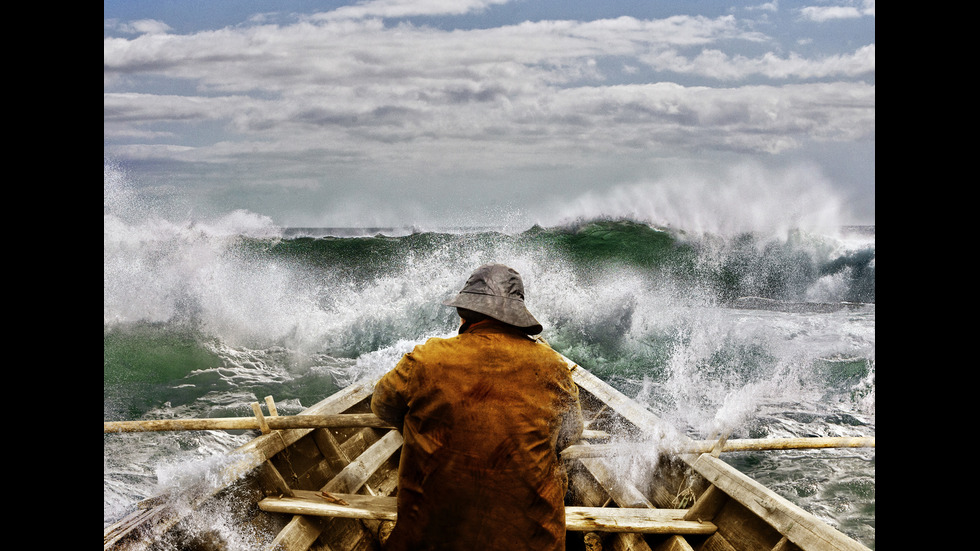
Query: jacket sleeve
(391, 394)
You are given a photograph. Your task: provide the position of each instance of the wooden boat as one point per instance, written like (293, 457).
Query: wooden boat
(331, 485)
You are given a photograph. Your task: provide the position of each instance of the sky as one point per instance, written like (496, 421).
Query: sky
(477, 112)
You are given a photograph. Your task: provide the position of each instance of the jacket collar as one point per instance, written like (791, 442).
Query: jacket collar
(489, 326)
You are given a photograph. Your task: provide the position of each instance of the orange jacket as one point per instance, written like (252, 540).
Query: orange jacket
(482, 414)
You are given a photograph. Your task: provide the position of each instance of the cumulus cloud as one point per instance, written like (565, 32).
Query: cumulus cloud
(408, 8)
(513, 84)
(142, 26)
(822, 14)
(348, 94)
(722, 66)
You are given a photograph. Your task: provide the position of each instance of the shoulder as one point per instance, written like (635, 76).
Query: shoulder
(545, 349)
(433, 345)
(557, 362)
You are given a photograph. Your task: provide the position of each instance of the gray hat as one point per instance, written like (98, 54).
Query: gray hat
(497, 291)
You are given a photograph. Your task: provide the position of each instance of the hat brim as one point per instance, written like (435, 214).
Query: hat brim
(508, 310)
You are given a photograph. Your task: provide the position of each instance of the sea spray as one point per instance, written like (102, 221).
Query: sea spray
(698, 201)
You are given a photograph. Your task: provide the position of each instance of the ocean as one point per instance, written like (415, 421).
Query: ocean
(749, 334)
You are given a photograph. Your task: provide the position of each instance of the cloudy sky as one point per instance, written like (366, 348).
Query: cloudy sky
(400, 112)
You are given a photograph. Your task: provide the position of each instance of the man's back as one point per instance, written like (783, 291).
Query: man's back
(481, 414)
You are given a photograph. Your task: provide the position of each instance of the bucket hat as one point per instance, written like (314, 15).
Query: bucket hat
(497, 291)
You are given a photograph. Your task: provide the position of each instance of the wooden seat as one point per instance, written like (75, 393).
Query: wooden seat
(578, 519)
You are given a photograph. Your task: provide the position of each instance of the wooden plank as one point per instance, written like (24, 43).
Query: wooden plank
(330, 449)
(579, 451)
(577, 519)
(312, 504)
(356, 444)
(591, 495)
(674, 543)
(707, 505)
(355, 474)
(271, 480)
(619, 489)
(642, 521)
(801, 527)
(302, 465)
(785, 545)
(302, 531)
(716, 543)
(743, 529)
(258, 422)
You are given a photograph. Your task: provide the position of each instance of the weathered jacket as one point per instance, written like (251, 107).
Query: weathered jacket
(482, 414)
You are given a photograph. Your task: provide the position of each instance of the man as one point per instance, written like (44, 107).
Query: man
(483, 414)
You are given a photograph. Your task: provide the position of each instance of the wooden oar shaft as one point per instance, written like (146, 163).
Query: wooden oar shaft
(240, 423)
(796, 443)
(607, 450)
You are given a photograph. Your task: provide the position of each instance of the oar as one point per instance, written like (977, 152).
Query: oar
(238, 423)
(579, 451)
(260, 422)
